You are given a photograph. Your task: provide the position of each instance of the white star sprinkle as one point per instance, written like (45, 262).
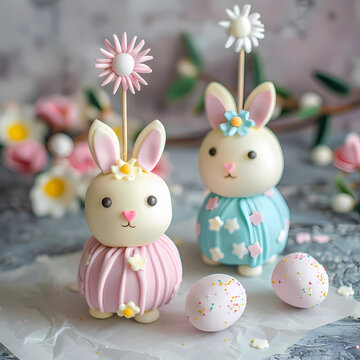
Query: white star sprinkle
(259, 343)
(215, 223)
(86, 259)
(216, 254)
(231, 225)
(282, 236)
(137, 262)
(240, 250)
(345, 290)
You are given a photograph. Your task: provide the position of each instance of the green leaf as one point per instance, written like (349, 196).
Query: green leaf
(92, 98)
(181, 87)
(283, 92)
(332, 82)
(307, 112)
(192, 50)
(285, 111)
(258, 69)
(323, 129)
(343, 186)
(199, 107)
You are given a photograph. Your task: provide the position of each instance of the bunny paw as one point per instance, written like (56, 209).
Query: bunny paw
(97, 314)
(249, 271)
(148, 317)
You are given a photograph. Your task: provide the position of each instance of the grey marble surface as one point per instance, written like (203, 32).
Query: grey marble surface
(307, 190)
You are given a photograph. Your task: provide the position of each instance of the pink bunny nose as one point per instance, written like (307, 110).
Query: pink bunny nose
(129, 215)
(229, 167)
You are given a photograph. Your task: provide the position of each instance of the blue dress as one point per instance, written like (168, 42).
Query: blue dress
(243, 231)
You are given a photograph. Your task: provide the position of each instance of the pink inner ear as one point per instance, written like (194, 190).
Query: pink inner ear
(215, 110)
(260, 108)
(150, 150)
(105, 150)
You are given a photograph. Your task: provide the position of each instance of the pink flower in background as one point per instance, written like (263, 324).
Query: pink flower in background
(163, 167)
(57, 110)
(81, 159)
(347, 156)
(123, 63)
(27, 158)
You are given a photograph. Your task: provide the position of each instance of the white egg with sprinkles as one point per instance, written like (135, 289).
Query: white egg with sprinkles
(215, 302)
(300, 280)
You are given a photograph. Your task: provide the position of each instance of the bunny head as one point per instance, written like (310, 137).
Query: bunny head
(127, 204)
(240, 156)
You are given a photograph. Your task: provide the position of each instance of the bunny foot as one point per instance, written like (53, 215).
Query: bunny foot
(148, 317)
(97, 314)
(272, 259)
(208, 261)
(249, 271)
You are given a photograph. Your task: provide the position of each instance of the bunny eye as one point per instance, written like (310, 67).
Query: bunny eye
(151, 200)
(106, 202)
(251, 155)
(212, 151)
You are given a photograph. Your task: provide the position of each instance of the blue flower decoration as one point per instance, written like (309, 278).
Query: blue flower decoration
(237, 123)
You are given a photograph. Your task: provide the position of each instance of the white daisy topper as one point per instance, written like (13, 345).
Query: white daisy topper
(243, 29)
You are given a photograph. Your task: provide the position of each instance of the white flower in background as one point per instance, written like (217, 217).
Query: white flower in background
(244, 29)
(18, 125)
(186, 67)
(321, 155)
(343, 203)
(60, 145)
(54, 192)
(128, 310)
(310, 99)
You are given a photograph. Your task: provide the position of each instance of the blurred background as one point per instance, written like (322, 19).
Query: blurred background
(49, 47)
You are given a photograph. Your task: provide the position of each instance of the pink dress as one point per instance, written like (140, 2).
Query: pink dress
(107, 280)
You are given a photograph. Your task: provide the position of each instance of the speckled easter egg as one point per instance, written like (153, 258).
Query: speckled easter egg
(300, 281)
(215, 302)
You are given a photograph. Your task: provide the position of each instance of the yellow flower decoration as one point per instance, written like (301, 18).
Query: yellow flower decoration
(126, 170)
(128, 310)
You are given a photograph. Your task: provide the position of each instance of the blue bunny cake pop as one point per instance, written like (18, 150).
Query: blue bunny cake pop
(244, 221)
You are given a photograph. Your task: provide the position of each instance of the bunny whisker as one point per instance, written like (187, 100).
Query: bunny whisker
(129, 225)
(230, 176)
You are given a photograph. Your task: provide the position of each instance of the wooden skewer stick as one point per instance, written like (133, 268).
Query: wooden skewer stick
(124, 124)
(241, 79)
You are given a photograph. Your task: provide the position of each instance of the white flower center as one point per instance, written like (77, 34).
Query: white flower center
(240, 27)
(123, 64)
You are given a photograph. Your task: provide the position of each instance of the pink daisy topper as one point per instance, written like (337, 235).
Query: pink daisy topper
(123, 63)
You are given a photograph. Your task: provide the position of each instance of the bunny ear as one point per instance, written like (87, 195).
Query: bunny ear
(104, 146)
(218, 100)
(261, 103)
(149, 145)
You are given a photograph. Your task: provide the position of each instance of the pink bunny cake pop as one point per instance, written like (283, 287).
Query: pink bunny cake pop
(245, 220)
(129, 266)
